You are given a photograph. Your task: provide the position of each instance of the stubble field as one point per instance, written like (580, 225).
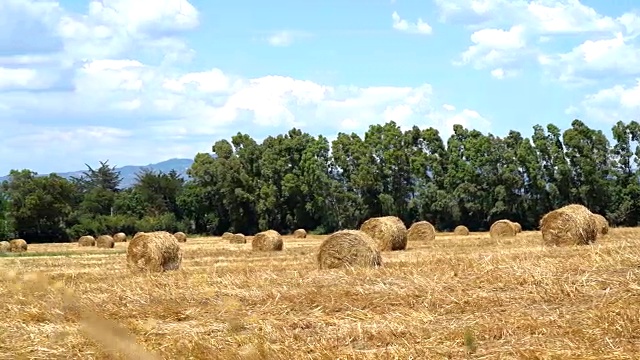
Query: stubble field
(456, 297)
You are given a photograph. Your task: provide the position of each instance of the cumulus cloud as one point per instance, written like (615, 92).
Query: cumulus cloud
(508, 35)
(103, 87)
(611, 104)
(419, 27)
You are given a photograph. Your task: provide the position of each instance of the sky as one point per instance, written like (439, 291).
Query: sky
(141, 81)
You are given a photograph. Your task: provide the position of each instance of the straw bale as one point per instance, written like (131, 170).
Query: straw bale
(517, 226)
(120, 237)
(87, 240)
(105, 241)
(603, 224)
(569, 225)
(502, 228)
(389, 232)
(156, 251)
(269, 240)
(348, 248)
(180, 236)
(300, 234)
(461, 230)
(17, 245)
(5, 246)
(421, 231)
(227, 236)
(237, 239)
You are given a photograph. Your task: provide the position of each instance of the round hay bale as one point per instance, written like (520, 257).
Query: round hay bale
(87, 240)
(237, 239)
(300, 234)
(180, 236)
(502, 228)
(517, 226)
(156, 251)
(227, 236)
(389, 232)
(17, 245)
(138, 233)
(5, 246)
(569, 225)
(348, 248)
(120, 237)
(105, 241)
(461, 230)
(603, 224)
(421, 231)
(269, 240)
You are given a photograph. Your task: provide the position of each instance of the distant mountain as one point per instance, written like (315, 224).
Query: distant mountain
(128, 173)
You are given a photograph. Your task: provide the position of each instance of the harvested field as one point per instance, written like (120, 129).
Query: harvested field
(455, 297)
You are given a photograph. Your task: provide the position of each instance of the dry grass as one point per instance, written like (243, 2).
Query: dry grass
(456, 297)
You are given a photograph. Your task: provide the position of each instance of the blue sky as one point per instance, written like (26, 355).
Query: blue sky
(142, 81)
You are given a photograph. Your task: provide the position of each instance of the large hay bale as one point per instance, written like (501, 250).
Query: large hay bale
(269, 240)
(569, 225)
(502, 228)
(602, 223)
(5, 246)
(421, 231)
(227, 236)
(461, 230)
(237, 239)
(180, 236)
(17, 245)
(389, 232)
(138, 233)
(517, 226)
(87, 240)
(156, 251)
(348, 248)
(105, 241)
(120, 237)
(300, 234)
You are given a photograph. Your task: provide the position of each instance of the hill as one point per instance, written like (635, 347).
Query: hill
(129, 172)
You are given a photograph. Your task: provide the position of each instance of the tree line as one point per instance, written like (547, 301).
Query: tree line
(296, 180)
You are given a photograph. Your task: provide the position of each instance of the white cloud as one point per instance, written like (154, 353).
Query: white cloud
(610, 105)
(285, 37)
(419, 27)
(593, 60)
(510, 34)
(95, 92)
(495, 47)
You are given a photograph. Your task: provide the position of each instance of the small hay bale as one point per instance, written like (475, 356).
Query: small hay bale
(300, 234)
(87, 240)
(421, 231)
(17, 245)
(603, 224)
(461, 230)
(120, 237)
(156, 251)
(517, 226)
(180, 236)
(269, 240)
(569, 225)
(5, 246)
(105, 241)
(502, 228)
(237, 239)
(227, 236)
(348, 248)
(389, 232)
